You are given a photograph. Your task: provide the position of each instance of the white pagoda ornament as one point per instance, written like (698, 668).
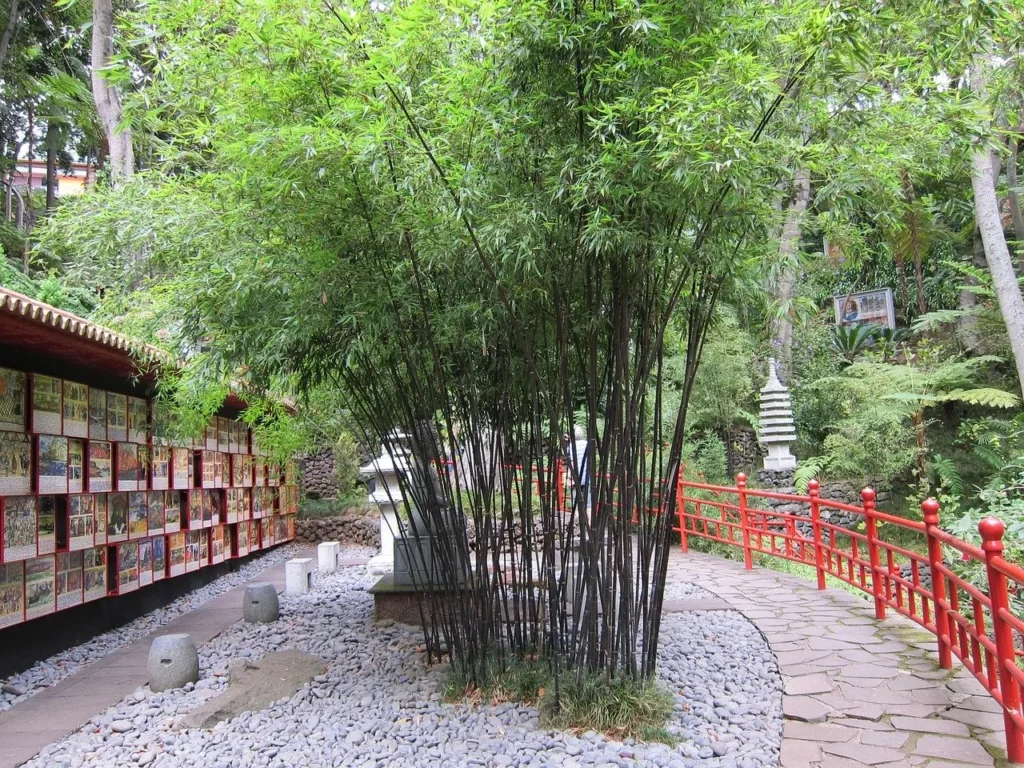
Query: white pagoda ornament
(778, 431)
(387, 495)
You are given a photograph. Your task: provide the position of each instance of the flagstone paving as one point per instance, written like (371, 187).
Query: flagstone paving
(858, 692)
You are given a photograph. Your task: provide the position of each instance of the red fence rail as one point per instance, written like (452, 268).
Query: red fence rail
(977, 626)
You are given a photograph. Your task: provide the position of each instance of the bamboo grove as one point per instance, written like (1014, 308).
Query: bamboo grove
(485, 225)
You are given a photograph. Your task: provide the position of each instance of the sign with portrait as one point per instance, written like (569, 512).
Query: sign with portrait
(865, 308)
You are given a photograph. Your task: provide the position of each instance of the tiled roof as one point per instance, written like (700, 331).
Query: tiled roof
(16, 303)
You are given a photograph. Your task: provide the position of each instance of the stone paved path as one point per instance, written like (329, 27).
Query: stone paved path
(54, 713)
(857, 691)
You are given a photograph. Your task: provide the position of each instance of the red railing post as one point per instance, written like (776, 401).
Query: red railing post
(930, 510)
(684, 544)
(813, 490)
(741, 485)
(991, 530)
(560, 484)
(867, 496)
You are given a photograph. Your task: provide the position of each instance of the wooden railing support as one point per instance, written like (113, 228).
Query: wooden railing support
(814, 491)
(741, 484)
(867, 497)
(991, 530)
(930, 511)
(680, 512)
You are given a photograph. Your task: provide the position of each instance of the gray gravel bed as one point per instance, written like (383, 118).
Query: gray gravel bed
(52, 670)
(378, 705)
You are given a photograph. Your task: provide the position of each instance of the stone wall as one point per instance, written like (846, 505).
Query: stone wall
(746, 451)
(842, 491)
(318, 480)
(359, 529)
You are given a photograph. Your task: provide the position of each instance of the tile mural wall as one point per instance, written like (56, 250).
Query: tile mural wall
(93, 505)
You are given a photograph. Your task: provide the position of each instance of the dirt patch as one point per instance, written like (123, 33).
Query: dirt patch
(253, 686)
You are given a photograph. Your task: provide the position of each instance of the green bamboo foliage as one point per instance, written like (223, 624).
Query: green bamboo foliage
(479, 222)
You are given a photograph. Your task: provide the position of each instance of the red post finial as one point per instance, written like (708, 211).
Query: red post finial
(991, 530)
(741, 480)
(813, 487)
(930, 509)
(868, 496)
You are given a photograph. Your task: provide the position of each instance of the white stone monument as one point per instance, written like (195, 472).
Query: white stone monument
(387, 495)
(327, 556)
(778, 431)
(298, 576)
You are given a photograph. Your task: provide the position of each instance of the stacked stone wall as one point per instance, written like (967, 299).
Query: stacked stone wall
(318, 479)
(357, 529)
(842, 491)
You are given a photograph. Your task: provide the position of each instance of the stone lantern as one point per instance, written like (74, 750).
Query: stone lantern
(387, 495)
(778, 432)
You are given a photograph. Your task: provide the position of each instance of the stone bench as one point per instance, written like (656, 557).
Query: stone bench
(298, 576)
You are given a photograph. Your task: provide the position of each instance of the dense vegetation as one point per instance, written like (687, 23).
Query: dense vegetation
(524, 221)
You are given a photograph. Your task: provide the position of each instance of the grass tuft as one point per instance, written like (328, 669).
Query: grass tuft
(623, 709)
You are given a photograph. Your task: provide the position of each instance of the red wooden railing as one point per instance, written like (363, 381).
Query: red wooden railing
(977, 626)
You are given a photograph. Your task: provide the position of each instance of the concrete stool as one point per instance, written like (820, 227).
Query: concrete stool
(327, 556)
(298, 576)
(173, 662)
(260, 604)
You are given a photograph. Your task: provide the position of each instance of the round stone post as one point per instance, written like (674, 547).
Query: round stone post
(173, 662)
(260, 604)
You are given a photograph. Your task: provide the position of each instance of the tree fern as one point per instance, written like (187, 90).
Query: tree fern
(947, 474)
(808, 470)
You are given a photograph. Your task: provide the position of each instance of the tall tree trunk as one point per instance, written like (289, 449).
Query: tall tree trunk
(990, 224)
(108, 102)
(1015, 211)
(30, 136)
(967, 326)
(51, 166)
(1000, 265)
(789, 245)
(5, 41)
(914, 232)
